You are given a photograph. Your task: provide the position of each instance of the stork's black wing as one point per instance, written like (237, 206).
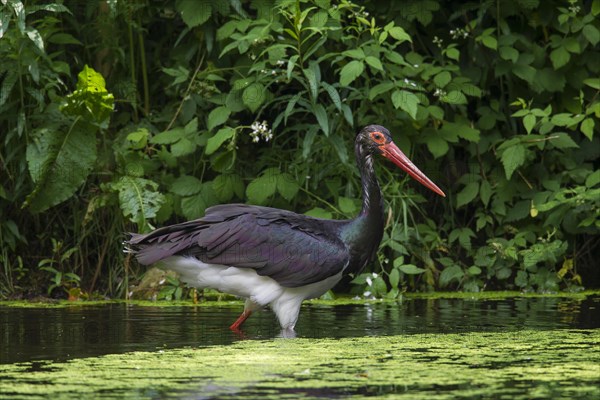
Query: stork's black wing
(293, 249)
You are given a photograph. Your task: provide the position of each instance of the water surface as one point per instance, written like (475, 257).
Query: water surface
(516, 348)
(28, 334)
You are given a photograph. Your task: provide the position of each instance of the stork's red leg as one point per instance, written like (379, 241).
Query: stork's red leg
(238, 322)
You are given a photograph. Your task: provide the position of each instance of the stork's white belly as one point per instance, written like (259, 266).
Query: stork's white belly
(245, 282)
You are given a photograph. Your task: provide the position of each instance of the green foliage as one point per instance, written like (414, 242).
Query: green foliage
(195, 103)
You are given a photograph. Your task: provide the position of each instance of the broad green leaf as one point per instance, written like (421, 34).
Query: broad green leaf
(186, 185)
(593, 83)
(374, 62)
(453, 54)
(525, 72)
(194, 12)
(587, 127)
(183, 147)
(562, 119)
(529, 122)
(411, 269)
(449, 274)
(406, 101)
(380, 88)
(261, 188)
(518, 211)
(63, 38)
(521, 279)
(355, 53)
(138, 138)
(560, 57)
(592, 34)
(217, 117)
(90, 101)
(436, 112)
(139, 200)
(228, 185)
(468, 194)
(462, 130)
(455, 97)
(509, 53)
(395, 58)
(550, 80)
(318, 212)
(253, 96)
(399, 34)
(218, 139)
(351, 71)
(485, 192)
(442, 79)
(512, 158)
(562, 140)
(437, 146)
(474, 270)
(195, 206)
(59, 162)
(287, 186)
(490, 41)
(168, 137)
(347, 205)
(593, 179)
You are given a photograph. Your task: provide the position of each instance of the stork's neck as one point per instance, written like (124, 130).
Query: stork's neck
(363, 234)
(372, 207)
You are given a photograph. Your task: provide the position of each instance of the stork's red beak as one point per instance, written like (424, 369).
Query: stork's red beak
(395, 155)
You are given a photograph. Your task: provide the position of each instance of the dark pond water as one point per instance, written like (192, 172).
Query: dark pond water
(30, 334)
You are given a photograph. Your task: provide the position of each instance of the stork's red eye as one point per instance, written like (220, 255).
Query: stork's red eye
(378, 137)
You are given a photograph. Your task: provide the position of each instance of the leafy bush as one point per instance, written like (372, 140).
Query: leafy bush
(259, 101)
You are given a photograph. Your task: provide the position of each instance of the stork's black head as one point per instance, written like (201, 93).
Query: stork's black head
(375, 139)
(372, 138)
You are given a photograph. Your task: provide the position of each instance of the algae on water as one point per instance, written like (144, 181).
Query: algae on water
(518, 364)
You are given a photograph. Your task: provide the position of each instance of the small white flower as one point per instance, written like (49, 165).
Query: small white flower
(260, 130)
(416, 65)
(439, 93)
(367, 294)
(375, 275)
(369, 281)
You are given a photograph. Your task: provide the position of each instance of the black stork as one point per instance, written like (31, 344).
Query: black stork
(277, 257)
